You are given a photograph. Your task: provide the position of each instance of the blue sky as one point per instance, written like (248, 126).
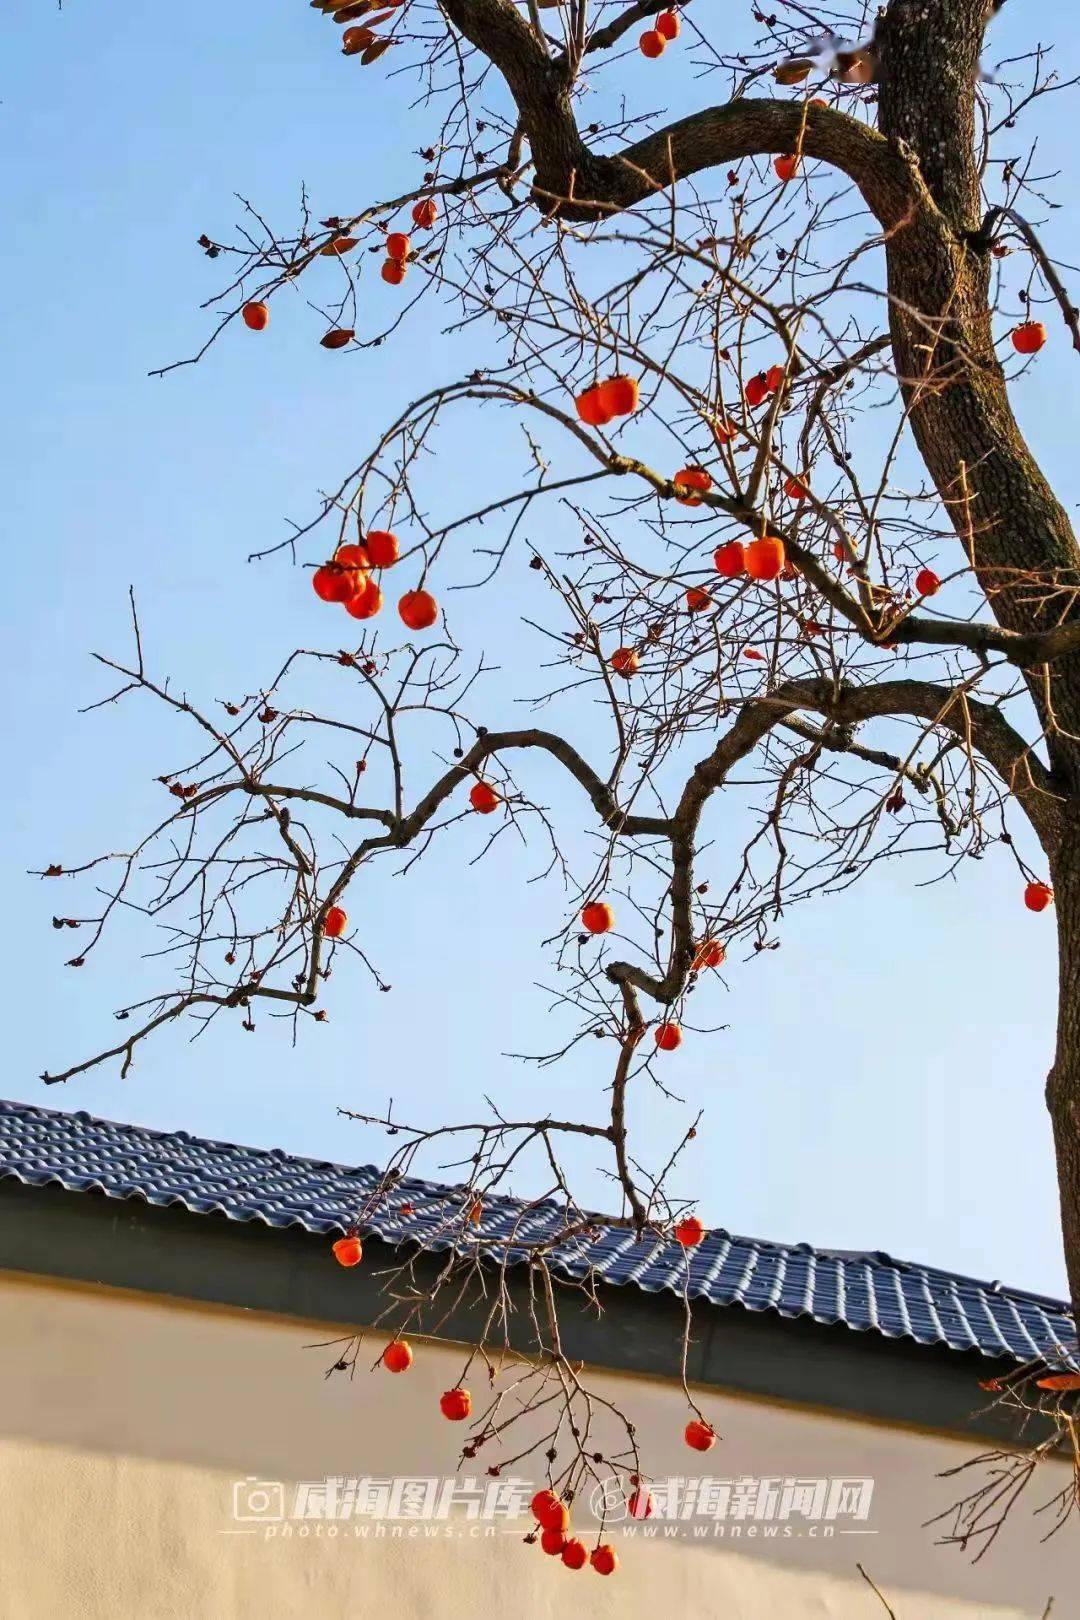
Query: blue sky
(880, 1081)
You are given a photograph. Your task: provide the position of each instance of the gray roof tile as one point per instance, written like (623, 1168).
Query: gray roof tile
(866, 1292)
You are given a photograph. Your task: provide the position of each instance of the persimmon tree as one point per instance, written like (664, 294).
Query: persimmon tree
(759, 358)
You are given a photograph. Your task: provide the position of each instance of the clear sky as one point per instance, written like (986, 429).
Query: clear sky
(880, 1082)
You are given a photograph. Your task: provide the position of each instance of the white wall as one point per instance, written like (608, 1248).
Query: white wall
(125, 1421)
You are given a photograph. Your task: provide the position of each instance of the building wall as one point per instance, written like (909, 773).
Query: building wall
(126, 1424)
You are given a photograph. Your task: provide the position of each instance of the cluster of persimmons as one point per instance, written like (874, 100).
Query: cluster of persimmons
(399, 250)
(349, 578)
(551, 1512)
(654, 41)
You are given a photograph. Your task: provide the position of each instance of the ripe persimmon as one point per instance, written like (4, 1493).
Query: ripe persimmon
(620, 395)
(455, 1405)
(397, 245)
(668, 1037)
(699, 1436)
(786, 166)
(383, 547)
(1029, 337)
(689, 1232)
(652, 43)
(667, 23)
(398, 1356)
(348, 1251)
(1037, 896)
(393, 271)
(756, 390)
(604, 1559)
(425, 213)
(540, 1501)
(353, 557)
(554, 1515)
(553, 1542)
(697, 599)
(337, 337)
(730, 559)
(335, 922)
(483, 798)
(365, 602)
(593, 408)
(774, 378)
(765, 558)
(709, 954)
(927, 582)
(574, 1554)
(332, 583)
(688, 480)
(418, 609)
(795, 489)
(625, 662)
(641, 1505)
(256, 316)
(337, 246)
(597, 917)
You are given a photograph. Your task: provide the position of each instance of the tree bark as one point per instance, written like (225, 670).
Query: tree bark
(1001, 505)
(1063, 1085)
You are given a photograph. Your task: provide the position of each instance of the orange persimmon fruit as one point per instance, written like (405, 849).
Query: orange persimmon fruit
(765, 558)
(383, 547)
(455, 1405)
(620, 395)
(398, 1356)
(699, 1436)
(335, 922)
(483, 798)
(690, 483)
(366, 602)
(597, 917)
(1029, 337)
(418, 609)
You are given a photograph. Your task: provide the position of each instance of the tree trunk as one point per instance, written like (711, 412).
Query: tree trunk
(1063, 1085)
(1002, 506)
(1014, 529)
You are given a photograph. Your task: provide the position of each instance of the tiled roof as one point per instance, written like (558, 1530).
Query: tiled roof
(866, 1292)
